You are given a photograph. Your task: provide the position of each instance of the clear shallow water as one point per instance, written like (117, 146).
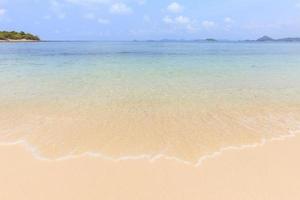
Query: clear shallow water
(133, 98)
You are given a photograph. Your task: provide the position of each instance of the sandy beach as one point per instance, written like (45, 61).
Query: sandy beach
(16, 41)
(121, 100)
(270, 171)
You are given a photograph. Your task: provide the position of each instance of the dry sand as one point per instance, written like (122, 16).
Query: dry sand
(269, 172)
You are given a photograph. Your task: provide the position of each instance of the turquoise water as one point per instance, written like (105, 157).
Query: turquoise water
(133, 98)
(163, 65)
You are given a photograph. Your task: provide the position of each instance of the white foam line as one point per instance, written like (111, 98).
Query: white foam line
(242, 147)
(151, 158)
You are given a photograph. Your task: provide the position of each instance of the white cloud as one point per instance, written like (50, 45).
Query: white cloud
(92, 16)
(228, 20)
(2, 12)
(208, 24)
(182, 20)
(175, 7)
(103, 21)
(141, 2)
(176, 20)
(88, 2)
(120, 9)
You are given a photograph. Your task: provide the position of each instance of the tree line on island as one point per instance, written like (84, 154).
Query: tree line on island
(13, 35)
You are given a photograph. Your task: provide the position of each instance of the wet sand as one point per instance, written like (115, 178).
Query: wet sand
(264, 172)
(181, 130)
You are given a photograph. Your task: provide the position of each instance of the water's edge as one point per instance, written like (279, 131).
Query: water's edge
(37, 155)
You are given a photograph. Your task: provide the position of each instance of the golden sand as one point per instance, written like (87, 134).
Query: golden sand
(265, 172)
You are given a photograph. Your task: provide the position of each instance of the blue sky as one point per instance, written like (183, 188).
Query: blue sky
(156, 19)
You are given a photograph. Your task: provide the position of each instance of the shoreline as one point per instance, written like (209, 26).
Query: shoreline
(150, 158)
(268, 171)
(17, 41)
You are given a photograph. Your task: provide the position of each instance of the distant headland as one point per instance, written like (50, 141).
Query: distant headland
(261, 39)
(13, 36)
(269, 39)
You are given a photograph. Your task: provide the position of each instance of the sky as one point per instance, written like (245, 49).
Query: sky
(151, 19)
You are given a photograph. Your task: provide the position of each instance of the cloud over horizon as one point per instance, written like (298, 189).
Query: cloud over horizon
(120, 9)
(119, 19)
(175, 7)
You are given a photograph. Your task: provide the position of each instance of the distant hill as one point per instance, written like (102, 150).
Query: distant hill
(265, 39)
(269, 39)
(211, 40)
(180, 40)
(289, 39)
(17, 36)
(261, 39)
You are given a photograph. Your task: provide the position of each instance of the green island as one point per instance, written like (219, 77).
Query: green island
(17, 36)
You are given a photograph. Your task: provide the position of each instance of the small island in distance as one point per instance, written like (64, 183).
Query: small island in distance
(269, 39)
(13, 36)
(262, 39)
